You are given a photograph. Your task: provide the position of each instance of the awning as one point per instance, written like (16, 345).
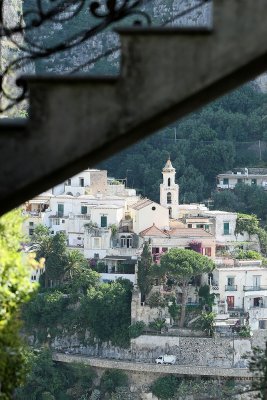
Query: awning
(38, 201)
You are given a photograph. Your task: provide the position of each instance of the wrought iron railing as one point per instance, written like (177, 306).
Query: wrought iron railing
(230, 288)
(254, 288)
(80, 22)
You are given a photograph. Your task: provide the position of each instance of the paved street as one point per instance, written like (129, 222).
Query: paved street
(241, 373)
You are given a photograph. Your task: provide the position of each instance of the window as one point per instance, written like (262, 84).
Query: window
(83, 210)
(208, 251)
(153, 208)
(81, 181)
(200, 226)
(169, 181)
(253, 181)
(68, 182)
(31, 231)
(55, 221)
(63, 221)
(226, 228)
(30, 223)
(96, 243)
(104, 221)
(262, 324)
(60, 210)
(123, 241)
(129, 242)
(189, 225)
(230, 281)
(169, 198)
(256, 281)
(230, 301)
(225, 181)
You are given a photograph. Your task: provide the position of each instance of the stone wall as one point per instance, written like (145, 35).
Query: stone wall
(215, 352)
(198, 351)
(142, 312)
(98, 182)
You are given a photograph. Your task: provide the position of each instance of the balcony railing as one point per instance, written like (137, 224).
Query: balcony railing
(235, 309)
(254, 288)
(214, 287)
(230, 288)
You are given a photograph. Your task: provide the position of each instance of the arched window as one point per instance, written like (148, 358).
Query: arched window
(129, 242)
(123, 241)
(169, 198)
(169, 181)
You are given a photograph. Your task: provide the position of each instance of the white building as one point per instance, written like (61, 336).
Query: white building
(248, 176)
(146, 213)
(241, 290)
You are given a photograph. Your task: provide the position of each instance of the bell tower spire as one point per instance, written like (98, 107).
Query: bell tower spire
(169, 190)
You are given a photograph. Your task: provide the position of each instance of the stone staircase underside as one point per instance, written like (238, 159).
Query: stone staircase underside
(165, 74)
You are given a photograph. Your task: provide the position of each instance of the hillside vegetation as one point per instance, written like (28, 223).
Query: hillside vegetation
(217, 138)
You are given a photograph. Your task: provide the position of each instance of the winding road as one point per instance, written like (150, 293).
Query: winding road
(183, 370)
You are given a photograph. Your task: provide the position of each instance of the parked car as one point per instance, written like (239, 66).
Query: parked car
(166, 359)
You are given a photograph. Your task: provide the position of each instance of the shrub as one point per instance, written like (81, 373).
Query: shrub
(248, 255)
(165, 387)
(245, 331)
(157, 324)
(101, 267)
(206, 322)
(136, 329)
(112, 379)
(155, 300)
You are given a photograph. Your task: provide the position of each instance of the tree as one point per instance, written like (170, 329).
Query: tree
(54, 249)
(143, 273)
(47, 380)
(181, 266)
(246, 223)
(106, 310)
(15, 290)
(74, 263)
(112, 379)
(258, 366)
(165, 387)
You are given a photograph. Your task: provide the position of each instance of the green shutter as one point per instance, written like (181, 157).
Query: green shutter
(104, 221)
(226, 229)
(83, 210)
(60, 210)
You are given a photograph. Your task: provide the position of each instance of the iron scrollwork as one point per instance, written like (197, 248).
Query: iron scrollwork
(23, 36)
(27, 36)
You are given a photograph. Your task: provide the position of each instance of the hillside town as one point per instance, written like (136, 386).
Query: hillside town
(109, 224)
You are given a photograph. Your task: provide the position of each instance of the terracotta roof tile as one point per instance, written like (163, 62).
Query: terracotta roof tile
(153, 231)
(141, 204)
(190, 232)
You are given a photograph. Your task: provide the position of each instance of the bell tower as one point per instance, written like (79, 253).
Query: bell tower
(169, 190)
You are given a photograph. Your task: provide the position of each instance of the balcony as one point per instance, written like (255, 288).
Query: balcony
(124, 251)
(235, 311)
(82, 216)
(214, 288)
(254, 288)
(226, 185)
(230, 288)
